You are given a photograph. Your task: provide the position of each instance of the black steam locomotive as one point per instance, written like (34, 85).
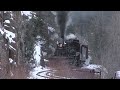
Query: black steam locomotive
(73, 50)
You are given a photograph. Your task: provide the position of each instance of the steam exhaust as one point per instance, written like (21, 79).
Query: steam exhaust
(62, 19)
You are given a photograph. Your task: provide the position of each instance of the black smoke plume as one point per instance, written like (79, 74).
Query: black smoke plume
(62, 19)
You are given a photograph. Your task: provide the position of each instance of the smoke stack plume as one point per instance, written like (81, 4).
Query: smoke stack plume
(62, 19)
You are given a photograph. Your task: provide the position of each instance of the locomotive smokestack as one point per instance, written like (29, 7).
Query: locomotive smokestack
(62, 19)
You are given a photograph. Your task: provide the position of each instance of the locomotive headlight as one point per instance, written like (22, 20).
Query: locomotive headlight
(64, 43)
(60, 44)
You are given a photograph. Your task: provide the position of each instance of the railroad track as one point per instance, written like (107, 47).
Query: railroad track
(49, 74)
(62, 70)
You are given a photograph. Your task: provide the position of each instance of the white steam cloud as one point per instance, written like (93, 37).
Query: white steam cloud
(71, 36)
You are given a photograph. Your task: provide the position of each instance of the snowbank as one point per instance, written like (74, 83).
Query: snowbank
(36, 70)
(92, 66)
(46, 60)
(97, 69)
(37, 53)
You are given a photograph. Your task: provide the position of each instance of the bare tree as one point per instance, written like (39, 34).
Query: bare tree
(19, 34)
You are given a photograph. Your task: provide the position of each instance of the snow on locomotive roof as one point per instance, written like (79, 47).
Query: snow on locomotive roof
(71, 36)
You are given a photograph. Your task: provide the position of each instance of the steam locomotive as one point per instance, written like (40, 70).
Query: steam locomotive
(73, 50)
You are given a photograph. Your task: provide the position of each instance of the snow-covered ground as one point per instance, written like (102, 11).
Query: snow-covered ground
(37, 53)
(40, 72)
(98, 69)
(34, 74)
(36, 70)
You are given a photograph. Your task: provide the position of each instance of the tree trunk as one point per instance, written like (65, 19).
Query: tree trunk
(18, 21)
